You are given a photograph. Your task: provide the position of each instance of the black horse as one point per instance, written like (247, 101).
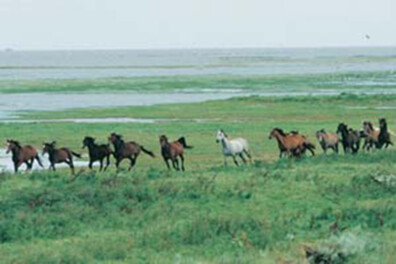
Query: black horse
(349, 138)
(97, 152)
(384, 136)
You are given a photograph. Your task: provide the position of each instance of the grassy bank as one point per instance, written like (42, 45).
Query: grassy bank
(265, 213)
(384, 80)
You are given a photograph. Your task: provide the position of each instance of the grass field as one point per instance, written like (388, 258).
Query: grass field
(366, 81)
(264, 213)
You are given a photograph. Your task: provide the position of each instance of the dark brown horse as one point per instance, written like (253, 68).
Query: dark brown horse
(22, 154)
(126, 150)
(350, 138)
(384, 135)
(97, 152)
(61, 155)
(173, 150)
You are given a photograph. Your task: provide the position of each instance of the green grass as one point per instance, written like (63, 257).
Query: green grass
(384, 80)
(265, 213)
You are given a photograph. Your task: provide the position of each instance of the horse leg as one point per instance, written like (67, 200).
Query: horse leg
(29, 165)
(167, 163)
(16, 166)
(182, 161)
(101, 165)
(225, 161)
(39, 161)
(133, 162)
(235, 161)
(107, 162)
(243, 159)
(118, 161)
(70, 163)
(248, 155)
(175, 163)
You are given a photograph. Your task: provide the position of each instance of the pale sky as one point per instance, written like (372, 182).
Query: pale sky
(147, 24)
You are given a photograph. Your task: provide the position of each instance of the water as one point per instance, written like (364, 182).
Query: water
(34, 65)
(6, 163)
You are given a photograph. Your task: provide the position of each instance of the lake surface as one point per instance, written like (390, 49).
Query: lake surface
(34, 65)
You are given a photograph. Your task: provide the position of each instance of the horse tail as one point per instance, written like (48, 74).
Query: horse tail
(310, 147)
(148, 152)
(39, 161)
(75, 154)
(183, 142)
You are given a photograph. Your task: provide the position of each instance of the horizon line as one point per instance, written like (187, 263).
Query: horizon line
(10, 49)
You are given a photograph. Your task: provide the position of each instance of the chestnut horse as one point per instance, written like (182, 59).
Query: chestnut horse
(327, 140)
(59, 155)
(22, 154)
(126, 150)
(171, 151)
(97, 152)
(293, 144)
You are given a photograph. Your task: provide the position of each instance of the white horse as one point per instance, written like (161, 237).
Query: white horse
(233, 147)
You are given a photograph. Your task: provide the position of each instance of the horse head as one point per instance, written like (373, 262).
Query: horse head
(342, 128)
(88, 141)
(11, 145)
(48, 147)
(163, 139)
(221, 135)
(276, 132)
(383, 124)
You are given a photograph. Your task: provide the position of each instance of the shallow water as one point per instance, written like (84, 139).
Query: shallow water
(11, 105)
(33, 65)
(105, 120)
(6, 163)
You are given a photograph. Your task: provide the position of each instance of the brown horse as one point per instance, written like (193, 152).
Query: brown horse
(292, 144)
(171, 151)
(59, 155)
(371, 135)
(327, 140)
(22, 154)
(126, 150)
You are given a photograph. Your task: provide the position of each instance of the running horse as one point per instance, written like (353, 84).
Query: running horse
(59, 155)
(126, 150)
(233, 147)
(97, 152)
(327, 140)
(370, 134)
(350, 138)
(384, 135)
(292, 144)
(173, 150)
(22, 154)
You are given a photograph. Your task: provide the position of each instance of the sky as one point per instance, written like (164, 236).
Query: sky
(167, 24)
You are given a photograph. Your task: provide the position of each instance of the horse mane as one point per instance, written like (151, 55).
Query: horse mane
(225, 134)
(280, 131)
(15, 142)
(89, 138)
(370, 125)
